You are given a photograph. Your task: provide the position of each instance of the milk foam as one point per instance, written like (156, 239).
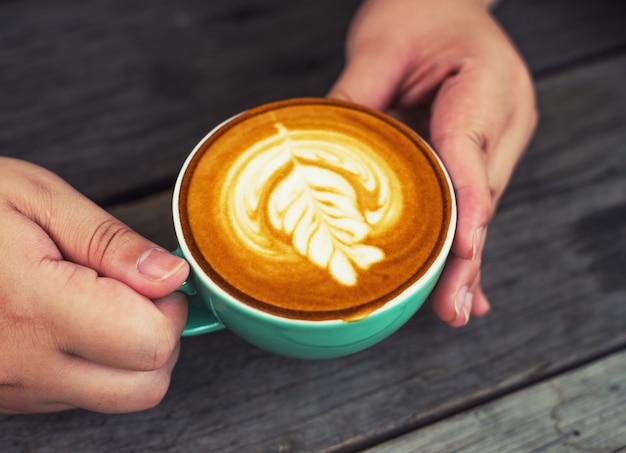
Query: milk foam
(313, 194)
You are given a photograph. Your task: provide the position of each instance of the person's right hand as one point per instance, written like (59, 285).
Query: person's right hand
(452, 59)
(88, 313)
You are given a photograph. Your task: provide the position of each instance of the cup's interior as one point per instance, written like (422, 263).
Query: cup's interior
(199, 267)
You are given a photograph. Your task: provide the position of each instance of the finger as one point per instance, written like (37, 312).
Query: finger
(73, 382)
(466, 122)
(88, 235)
(480, 305)
(102, 389)
(14, 401)
(369, 79)
(452, 297)
(508, 150)
(105, 244)
(457, 294)
(73, 308)
(104, 321)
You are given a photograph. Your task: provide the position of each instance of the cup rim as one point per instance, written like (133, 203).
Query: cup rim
(430, 273)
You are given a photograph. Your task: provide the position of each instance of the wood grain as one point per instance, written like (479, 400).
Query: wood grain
(553, 35)
(553, 310)
(112, 95)
(583, 410)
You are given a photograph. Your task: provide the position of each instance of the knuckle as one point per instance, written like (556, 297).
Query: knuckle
(29, 189)
(485, 206)
(479, 198)
(161, 355)
(496, 190)
(476, 264)
(460, 139)
(103, 240)
(162, 346)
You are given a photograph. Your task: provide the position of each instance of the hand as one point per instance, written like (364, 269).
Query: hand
(403, 55)
(78, 328)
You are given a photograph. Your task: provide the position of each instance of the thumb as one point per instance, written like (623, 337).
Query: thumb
(369, 79)
(88, 235)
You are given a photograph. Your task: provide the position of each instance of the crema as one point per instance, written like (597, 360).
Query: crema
(314, 209)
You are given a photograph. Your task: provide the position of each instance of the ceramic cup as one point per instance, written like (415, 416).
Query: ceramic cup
(212, 308)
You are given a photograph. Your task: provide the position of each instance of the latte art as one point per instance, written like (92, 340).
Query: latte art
(314, 209)
(314, 193)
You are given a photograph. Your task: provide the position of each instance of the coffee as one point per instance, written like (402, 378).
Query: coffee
(314, 209)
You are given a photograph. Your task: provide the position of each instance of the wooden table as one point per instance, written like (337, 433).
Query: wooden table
(112, 95)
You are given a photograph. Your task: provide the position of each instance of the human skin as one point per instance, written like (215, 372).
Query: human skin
(88, 317)
(450, 59)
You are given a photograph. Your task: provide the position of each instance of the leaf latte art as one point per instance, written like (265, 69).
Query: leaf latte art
(319, 194)
(314, 209)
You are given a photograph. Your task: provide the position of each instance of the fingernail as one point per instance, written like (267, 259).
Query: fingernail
(158, 264)
(463, 304)
(467, 307)
(459, 302)
(478, 237)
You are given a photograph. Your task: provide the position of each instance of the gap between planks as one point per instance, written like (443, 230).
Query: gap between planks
(581, 410)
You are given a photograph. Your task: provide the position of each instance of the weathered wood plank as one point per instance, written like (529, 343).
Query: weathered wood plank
(583, 410)
(551, 268)
(552, 34)
(112, 95)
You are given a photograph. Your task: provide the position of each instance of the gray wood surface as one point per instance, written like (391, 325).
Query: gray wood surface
(112, 95)
(555, 34)
(583, 410)
(558, 303)
(553, 264)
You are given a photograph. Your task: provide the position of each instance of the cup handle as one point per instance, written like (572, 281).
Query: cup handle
(200, 318)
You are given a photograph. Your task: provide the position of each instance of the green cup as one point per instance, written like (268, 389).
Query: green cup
(213, 307)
